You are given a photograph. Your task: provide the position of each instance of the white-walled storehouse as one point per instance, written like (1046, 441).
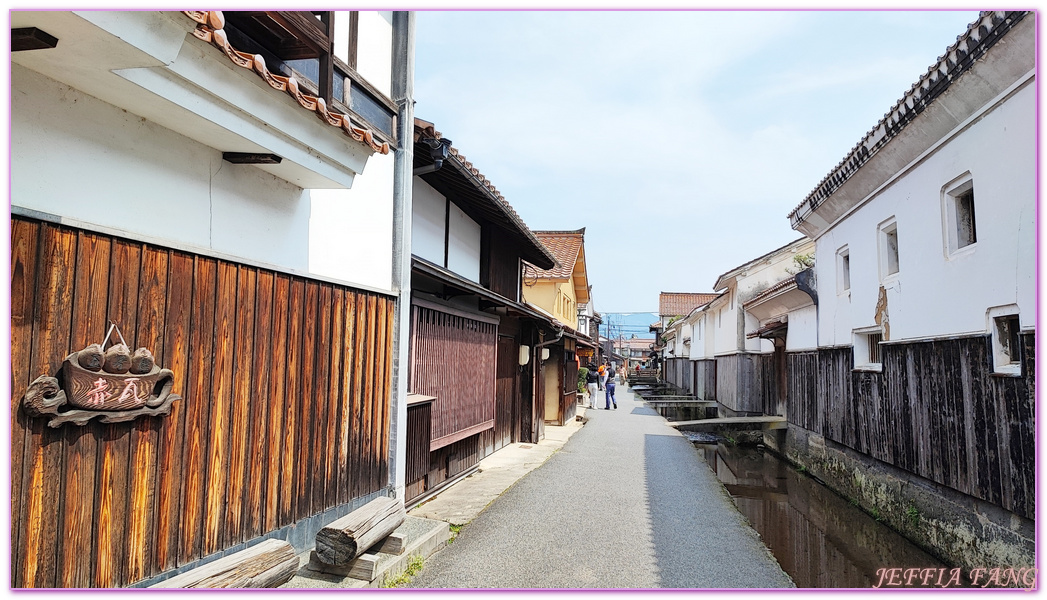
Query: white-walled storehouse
(223, 187)
(923, 377)
(710, 353)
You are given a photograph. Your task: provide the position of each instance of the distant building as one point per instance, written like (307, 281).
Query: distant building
(558, 291)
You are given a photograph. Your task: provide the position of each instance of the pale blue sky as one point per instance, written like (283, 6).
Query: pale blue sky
(681, 139)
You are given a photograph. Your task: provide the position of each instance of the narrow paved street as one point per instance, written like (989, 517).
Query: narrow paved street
(627, 503)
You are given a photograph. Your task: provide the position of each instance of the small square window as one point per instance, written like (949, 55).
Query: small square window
(889, 263)
(843, 270)
(958, 210)
(867, 349)
(1005, 331)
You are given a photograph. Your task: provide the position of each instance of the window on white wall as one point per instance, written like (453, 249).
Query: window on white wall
(958, 213)
(1005, 331)
(888, 243)
(866, 347)
(843, 270)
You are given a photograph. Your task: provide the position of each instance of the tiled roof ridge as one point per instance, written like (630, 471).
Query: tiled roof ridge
(563, 232)
(210, 28)
(958, 58)
(688, 294)
(428, 129)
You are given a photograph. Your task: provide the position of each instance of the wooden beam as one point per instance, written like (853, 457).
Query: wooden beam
(31, 38)
(761, 422)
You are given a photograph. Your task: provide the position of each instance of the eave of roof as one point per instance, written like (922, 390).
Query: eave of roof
(437, 272)
(464, 182)
(210, 25)
(774, 328)
(958, 58)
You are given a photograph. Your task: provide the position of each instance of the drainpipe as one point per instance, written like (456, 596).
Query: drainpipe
(439, 150)
(403, 96)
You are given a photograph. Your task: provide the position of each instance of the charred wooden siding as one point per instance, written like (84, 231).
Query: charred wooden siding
(453, 358)
(286, 400)
(936, 410)
(680, 372)
(738, 382)
(705, 379)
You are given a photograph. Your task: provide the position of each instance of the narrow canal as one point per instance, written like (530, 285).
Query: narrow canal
(819, 539)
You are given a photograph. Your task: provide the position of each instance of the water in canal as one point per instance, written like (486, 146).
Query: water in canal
(819, 539)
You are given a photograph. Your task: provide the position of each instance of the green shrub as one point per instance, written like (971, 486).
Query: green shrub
(582, 374)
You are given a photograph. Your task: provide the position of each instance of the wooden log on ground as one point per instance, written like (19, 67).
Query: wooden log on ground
(363, 567)
(268, 564)
(343, 540)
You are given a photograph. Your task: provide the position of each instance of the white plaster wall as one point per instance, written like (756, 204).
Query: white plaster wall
(81, 158)
(351, 231)
(725, 329)
(428, 219)
(803, 333)
(374, 60)
(933, 294)
(463, 247)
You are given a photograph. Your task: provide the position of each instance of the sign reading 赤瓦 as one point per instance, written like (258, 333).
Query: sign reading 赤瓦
(114, 384)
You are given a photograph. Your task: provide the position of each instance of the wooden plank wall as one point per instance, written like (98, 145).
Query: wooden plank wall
(454, 359)
(738, 382)
(285, 385)
(501, 273)
(507, 405)
(705, 379)
(765, 382)
(418, 419)
(936, 410)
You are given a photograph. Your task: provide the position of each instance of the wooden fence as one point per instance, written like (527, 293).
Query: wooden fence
(285, 384)
(936, 410)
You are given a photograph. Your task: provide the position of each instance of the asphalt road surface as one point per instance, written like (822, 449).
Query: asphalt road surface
(627, 503)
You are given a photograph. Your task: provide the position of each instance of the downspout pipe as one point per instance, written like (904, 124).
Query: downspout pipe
(439, 150)
(403, 97)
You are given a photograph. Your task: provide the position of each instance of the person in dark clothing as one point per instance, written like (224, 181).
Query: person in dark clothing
(591, 378)
(608, 390)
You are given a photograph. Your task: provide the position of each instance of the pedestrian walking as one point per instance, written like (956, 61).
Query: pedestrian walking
(599, 378)
(609, 394)
(591, 378)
